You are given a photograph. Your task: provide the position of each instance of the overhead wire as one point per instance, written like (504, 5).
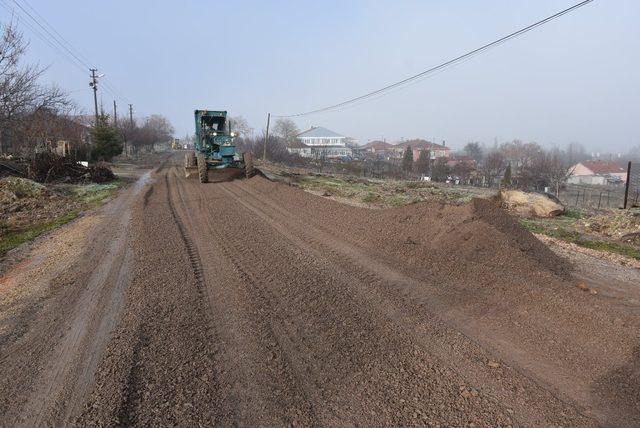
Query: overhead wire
(68, 47)
(404, 82)
(38, 34)
(52, 28)
(56, 41)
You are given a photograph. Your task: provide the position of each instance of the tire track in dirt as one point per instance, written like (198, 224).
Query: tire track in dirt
(134, 381)
(260, 336)
(192, 250)
(160, 367)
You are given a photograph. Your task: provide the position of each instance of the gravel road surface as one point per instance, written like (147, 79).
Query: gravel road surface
(254, 303)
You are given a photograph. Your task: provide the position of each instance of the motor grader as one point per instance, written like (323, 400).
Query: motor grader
(214, 150)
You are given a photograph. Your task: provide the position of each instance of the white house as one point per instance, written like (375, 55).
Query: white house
(318, 142)
(598, 172)
(319, 136)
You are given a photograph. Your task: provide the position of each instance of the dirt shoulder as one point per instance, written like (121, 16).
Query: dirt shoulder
(29, 209)
(58, 304)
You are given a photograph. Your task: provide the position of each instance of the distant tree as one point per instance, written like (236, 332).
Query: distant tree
(520, 155)
(407, 160)
(106, 140)
(506, 179)
(240, 126)
(422, 164)
(474, 151)
(159, 128)
(557, 171)
(547, 169)
(441, 170)
(463, 171)
(493, 166)
(286, 129)
(154, 129)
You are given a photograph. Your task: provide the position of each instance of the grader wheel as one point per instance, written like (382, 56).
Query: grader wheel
(202, 169)
(249, 170)
(190, 159)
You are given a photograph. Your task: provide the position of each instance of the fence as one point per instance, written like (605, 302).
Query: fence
(593, 197)
(605, 197)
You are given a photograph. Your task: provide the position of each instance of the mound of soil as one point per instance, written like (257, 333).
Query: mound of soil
(458, 242)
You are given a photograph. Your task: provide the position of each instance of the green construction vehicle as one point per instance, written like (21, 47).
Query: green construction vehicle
(214, 148)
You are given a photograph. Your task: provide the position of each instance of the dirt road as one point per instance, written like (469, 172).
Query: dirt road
(254, 303)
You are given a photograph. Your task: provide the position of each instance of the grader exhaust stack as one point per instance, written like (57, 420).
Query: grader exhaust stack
(214, 150)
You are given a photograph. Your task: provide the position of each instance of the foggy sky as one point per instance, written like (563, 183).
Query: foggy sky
(573, 80)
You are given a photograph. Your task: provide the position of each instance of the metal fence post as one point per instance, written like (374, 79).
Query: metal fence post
(626, 187)
(599, 200)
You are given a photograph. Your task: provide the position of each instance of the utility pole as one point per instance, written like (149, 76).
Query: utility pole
(94, 85)
(264, 149)
(131, 115)
(115, 114)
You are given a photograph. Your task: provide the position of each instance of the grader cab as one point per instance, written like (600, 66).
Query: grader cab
(214, 150)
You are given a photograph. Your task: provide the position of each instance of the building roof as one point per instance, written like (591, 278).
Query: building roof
(462, 159)
(603, 167)
(377, 145)
(319, 132)
(421, 144)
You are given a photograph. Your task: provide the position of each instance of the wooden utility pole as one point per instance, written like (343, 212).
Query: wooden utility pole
(115, 114)
(131, 115)
(94, 85)
(266, 140)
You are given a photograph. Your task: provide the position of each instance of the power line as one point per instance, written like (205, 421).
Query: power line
(55, 39)
(451, 62)
(70, 53)
(35, 31)
(25, 2)
(67, 46)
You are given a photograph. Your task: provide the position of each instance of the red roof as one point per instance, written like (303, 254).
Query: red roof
(378, 145)
(462, 159)
(603, 167)
(421, 144)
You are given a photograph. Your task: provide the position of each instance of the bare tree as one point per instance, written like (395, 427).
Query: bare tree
(144, 134)
(286, 129)
(240, 126)
(493, 166)
(558, 171)
(463, 171)
(22, 97)
(546, 169)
